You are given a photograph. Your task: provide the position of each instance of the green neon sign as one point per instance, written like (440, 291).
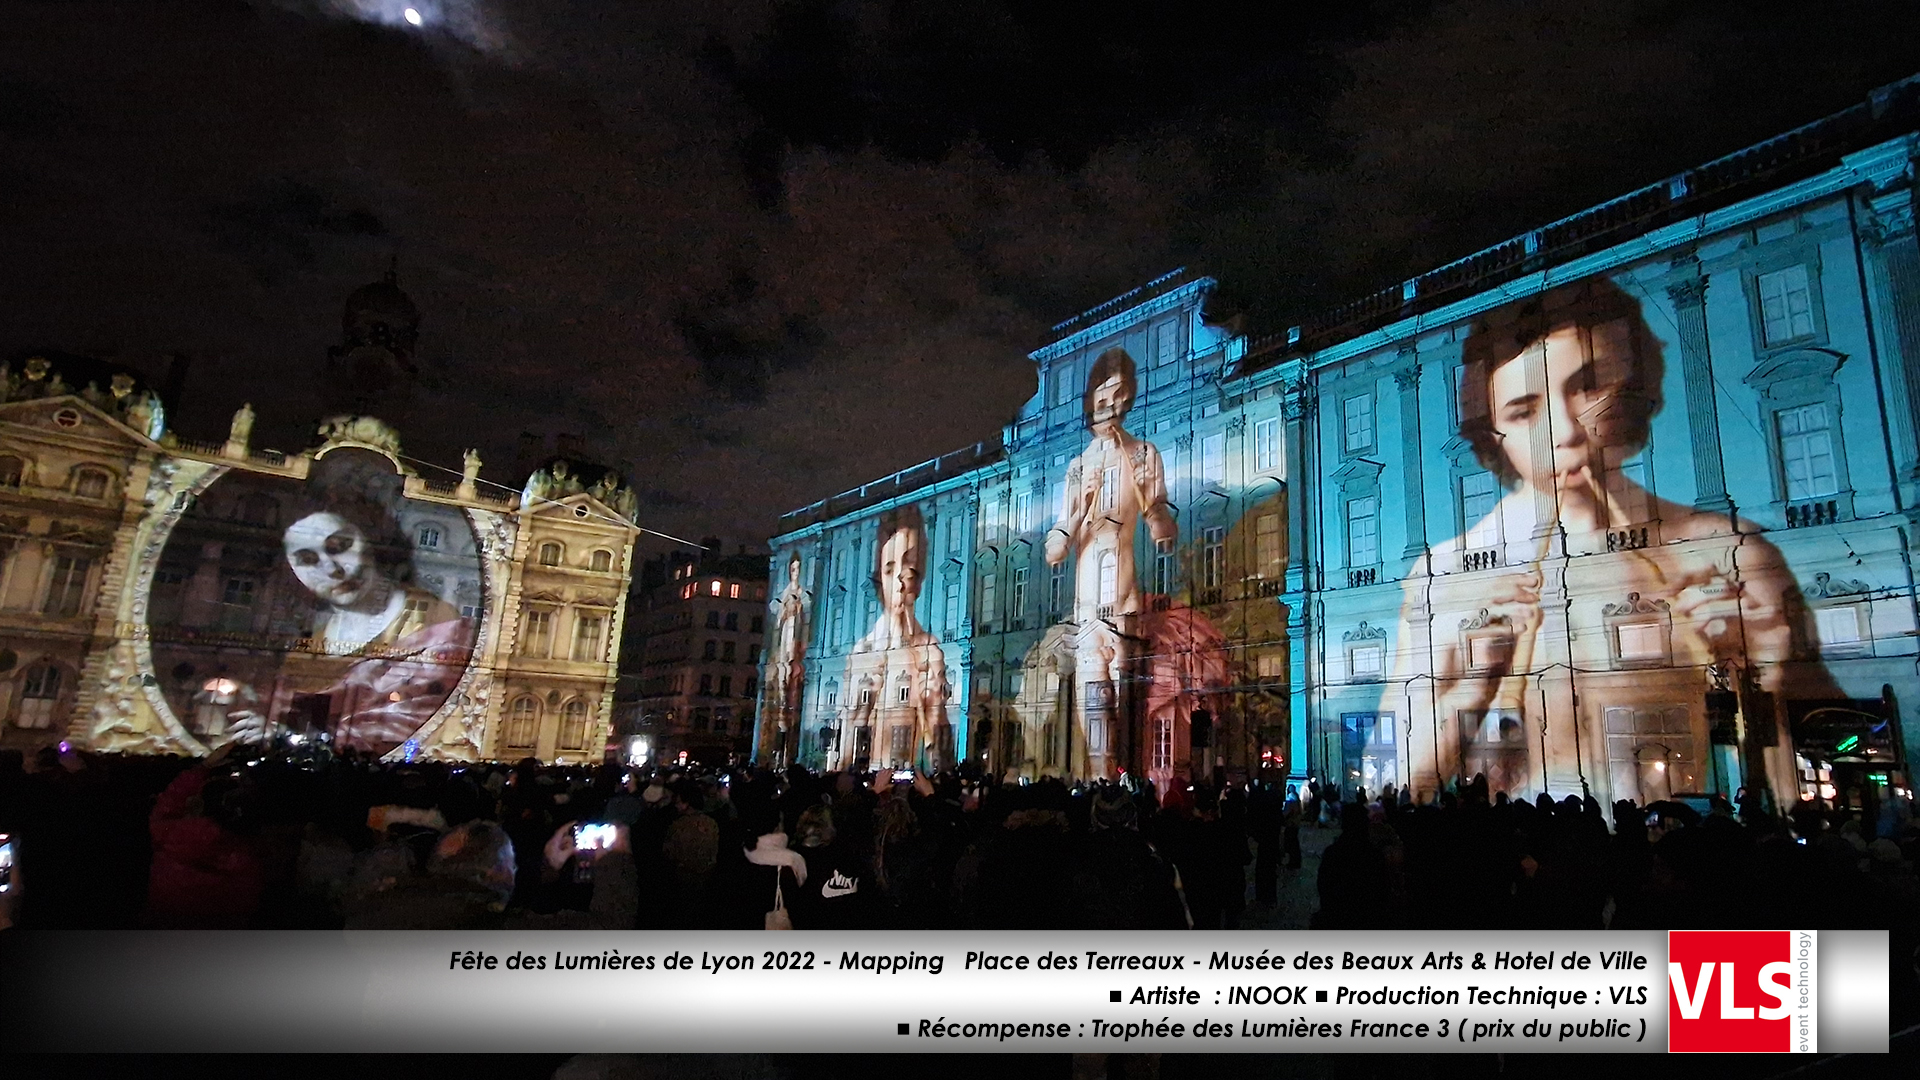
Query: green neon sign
(1847, 744)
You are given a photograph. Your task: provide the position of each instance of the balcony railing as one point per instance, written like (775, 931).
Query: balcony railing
(1818, 512)
(1484, 559)
(1627, 539)
(1359, 578)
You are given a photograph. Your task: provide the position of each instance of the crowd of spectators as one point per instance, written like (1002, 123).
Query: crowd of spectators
(280, 843)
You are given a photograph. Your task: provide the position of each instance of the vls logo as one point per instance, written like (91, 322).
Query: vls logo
(1742, 990)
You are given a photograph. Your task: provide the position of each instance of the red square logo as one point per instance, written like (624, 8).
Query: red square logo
(1740, 991)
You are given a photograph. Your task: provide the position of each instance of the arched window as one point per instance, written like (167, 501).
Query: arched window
(549, 554)
(13, 471)
(38, 695)
(523, 721)
(90, 484)
(573, 725)
(602, 561)
(1109, 578)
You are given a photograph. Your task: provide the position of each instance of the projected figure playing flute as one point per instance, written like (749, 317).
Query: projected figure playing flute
(1557, 396)
(1117, 482)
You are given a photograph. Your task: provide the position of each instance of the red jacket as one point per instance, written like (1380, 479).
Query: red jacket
(203, 875)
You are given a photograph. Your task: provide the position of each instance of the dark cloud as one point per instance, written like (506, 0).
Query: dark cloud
(761, 252)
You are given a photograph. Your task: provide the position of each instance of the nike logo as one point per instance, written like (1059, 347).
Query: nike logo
(838, 885)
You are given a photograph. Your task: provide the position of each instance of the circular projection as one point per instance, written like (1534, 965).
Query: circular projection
(332, 606)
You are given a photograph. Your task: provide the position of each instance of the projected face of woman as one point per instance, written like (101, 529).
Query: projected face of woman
(329, 555)
(1110, 404)
(900, 559)
(1553, 410)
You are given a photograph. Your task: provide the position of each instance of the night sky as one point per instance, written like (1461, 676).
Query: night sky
(758, 252)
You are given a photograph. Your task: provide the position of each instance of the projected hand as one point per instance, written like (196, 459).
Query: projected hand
(246, 726)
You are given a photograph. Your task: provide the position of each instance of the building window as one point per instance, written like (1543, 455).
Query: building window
(753, 654)
(1266, 445)
(1018, 610)
(953, 608)
(726, 686)
(733, 620)
(713, 620)
(710, 651)
(747, 688)
(1165, 569)
(1023, 512)
(1367, 663)
(1363, 532)
(1213, 459)
(1479, 494)
(1271, 666)
(573, 725)
(429, 539)
(1163, 743)
(1266, 544)
(989, 596)
(1806, 453)
(586, 637)
(1109, 579)
(602, 561)
(1166, 338)
(1367, 752)
(538, 639)
(90, 484)
(1110, 487)
(1056, 588)
(1640, 641)
(758, 624)
(702, 719)
(1841, 624)
(1357, 415)
(686, 592)
(839, 620)
(726, 651)
(720, 718)
(522, 721)
(1213, 557)
(68, 586)
(39, 692)
(713, 588)
(13, 472)
(237, 592)
(549, 554)
(706, 685)
(1786, 306)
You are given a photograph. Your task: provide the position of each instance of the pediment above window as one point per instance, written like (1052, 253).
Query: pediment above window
(1795, 371)
(1358, 474)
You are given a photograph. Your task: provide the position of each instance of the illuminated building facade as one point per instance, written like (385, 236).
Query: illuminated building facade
(695, 652)
(1625, 506)
(162, 595)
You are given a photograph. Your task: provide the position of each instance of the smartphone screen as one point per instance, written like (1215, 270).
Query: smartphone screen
(592, 836)
(6, 862)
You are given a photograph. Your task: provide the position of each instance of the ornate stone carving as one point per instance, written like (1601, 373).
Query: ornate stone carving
(1690, 292)
(1634, 605)
(1365, 632)
(1483, 620)
(365, 431)
(1183, 441)
(1237, 425)
(1825, 587)
(1407, 378)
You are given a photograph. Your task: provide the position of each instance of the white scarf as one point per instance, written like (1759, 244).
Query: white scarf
(772, 850)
